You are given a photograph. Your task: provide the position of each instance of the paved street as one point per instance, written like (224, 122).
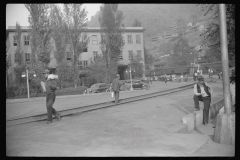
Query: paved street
(144, 128)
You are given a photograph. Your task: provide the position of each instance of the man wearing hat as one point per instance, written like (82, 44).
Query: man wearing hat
(50, 85)
(203, 92)
(116, 84)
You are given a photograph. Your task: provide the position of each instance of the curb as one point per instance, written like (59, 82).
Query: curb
(195, 119)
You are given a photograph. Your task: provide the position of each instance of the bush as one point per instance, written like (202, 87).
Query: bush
(89, 81)
(22, 90)
(10, 91)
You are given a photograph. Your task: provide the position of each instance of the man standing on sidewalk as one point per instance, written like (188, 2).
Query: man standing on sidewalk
(116, 84)
(50, 87)
(203, 92)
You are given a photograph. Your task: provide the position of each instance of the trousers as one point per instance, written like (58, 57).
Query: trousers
(206, 101)
(50, 99)
(116, 95)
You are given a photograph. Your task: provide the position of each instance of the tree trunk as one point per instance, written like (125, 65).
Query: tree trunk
(75, 81)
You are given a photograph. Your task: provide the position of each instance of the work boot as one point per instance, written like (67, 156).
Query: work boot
(48, 122)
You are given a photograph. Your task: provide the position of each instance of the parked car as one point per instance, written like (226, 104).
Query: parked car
(98, 87)
(155, 78)
(137, 84)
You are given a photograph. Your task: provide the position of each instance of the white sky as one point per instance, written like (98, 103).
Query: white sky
(19, 13)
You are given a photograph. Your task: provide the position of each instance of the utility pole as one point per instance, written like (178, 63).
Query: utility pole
(225, 64)
(225, 125)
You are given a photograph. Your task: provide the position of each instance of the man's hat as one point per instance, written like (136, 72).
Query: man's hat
(200, 78)
(46, 71)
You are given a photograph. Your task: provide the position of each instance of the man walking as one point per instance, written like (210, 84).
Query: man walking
(202, 92)
(50, 87)
(116, 84)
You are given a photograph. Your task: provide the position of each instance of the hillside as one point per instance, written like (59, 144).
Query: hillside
(155, 18)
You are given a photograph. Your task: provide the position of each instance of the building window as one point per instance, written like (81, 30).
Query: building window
(139, 53)
(80, 67)
(69, 56)
(120, 57)
(15, 40)
(95, 53)
(27, 57)
(138, 39)
(85, 64)
(26, 40)
(94, 40)
(129, 39)
(130, 54)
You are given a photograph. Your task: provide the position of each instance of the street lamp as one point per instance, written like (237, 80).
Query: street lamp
(130, 74)
(193, 62)
(27, 75)
(131, 79)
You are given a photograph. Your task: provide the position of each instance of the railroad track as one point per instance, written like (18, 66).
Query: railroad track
(79, 110)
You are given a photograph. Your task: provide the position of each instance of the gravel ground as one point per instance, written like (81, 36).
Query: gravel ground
(144, 128)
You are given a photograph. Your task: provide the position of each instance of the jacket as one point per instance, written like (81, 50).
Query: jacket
(51, 85)
(207, 89)
(116, 85)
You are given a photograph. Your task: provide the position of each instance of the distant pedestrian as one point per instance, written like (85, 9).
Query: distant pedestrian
(181, 77)
(50, 88)
(232, 91)
(220, 75)
(147, 79)
(165, 78)
(202, 92)
(186, 77)
(150, 78)
(195, 76)
(116, 84)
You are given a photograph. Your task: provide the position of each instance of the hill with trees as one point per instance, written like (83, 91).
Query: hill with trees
(155, 18)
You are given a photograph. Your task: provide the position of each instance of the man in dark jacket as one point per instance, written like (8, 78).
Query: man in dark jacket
(50, 88)
(116, 84)
(203, 92)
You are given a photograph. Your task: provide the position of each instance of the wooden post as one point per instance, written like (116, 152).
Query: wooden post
(225, 125)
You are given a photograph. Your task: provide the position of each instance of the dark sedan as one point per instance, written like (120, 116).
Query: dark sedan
(98, 87)
(137, 84)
